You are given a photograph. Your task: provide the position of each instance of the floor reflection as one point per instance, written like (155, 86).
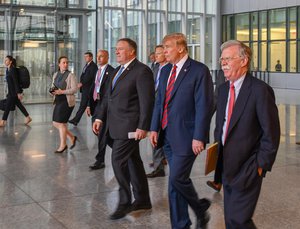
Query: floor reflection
(42, 190)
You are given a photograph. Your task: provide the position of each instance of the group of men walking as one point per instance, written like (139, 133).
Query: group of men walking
(175, 103)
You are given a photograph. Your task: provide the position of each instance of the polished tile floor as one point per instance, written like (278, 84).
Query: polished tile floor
(39, 189)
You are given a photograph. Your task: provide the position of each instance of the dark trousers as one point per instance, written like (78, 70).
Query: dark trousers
(158, 157)
(239, 205)
(82, 107)
(218, 170)
(11, 102)
(102, 142)
(182, 192)
(129, 169)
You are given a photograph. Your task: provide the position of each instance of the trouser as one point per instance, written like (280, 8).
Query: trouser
(13, 101)
(129, 169)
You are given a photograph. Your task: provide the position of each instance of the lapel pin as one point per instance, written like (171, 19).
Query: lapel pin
(185, 69)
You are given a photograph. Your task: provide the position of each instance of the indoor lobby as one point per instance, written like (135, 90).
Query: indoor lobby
(40, 189)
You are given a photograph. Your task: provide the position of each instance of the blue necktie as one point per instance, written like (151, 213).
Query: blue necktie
(117, 77)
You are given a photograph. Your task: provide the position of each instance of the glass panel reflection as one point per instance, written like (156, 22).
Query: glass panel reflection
(242, 27)
(277, 56)
(292, 56)
(135, 29)
(112, 32)
(277, 24)
(174, 23)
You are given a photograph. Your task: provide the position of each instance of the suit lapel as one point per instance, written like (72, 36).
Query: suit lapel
(184, 70)
(223, 97)
(105, 75)
(165, 76)
(240, 102)
(124, 73)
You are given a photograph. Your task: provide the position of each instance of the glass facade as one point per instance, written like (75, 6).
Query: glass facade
(272, 36)
(37, 32)
(148, 21)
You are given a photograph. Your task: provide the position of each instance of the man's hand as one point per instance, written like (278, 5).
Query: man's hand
(96, 126)
(197, 146)
(260, 170)
(140, 134)
(153, 138)
(20, 96)
(79, 85)
(88, 111)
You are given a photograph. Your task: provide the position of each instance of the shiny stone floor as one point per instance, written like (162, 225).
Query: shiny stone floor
(39, 189)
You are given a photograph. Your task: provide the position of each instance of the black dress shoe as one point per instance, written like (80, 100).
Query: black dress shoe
(121, 212)
(156, 173)
(203, 216)
(202, 221)
(140, 206)
(73, 122)
(97, 166)
(74, 142)
(61, 151)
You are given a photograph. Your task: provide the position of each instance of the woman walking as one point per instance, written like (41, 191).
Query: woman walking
(14, 95)
(64, 87)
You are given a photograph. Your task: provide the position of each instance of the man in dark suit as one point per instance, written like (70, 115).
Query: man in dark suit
(248, 133)
(127, 107)
(86, 79)
(182, 115)
(158, 154)
(97, 91)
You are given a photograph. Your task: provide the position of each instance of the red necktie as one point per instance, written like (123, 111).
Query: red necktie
(97, 83)
(169, 89)
(230, 107)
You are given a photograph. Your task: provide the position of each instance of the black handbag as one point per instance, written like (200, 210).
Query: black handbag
(3, 105)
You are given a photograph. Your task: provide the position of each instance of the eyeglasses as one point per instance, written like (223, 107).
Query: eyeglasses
(227, 59)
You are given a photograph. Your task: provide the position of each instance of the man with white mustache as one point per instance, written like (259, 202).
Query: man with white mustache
(248, 133)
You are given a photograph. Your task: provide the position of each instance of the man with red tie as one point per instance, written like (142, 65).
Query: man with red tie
(248, 133)
(97, 91)
(182, 116)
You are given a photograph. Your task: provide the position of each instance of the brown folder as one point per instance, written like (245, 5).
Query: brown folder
(211, 158)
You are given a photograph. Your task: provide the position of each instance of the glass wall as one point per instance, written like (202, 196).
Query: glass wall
(36, 37)
(37, 32)
(271, 34)
(148, 23)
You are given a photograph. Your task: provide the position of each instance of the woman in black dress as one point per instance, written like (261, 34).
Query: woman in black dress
(14, 95)
(64, 87)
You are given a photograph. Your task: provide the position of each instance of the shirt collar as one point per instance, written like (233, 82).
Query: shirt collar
(181, 62)
(238, 83)
(102, 67)
(128, 63)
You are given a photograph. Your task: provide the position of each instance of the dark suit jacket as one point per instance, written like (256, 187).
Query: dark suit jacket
(253, 134)
(129, 105)
(107, 75)
(190, 106)
(88, 77)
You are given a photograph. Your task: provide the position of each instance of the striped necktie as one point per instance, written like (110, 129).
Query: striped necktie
(169, 90)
